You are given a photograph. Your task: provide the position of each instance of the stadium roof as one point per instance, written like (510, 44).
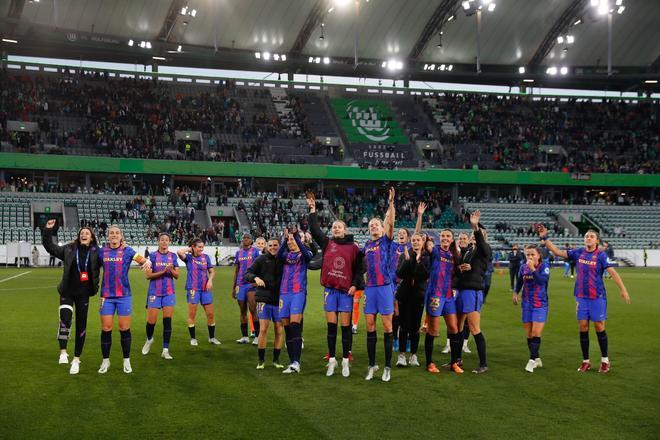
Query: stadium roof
(419, 33)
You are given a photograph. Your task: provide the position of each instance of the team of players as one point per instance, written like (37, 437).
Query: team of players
(272, 284)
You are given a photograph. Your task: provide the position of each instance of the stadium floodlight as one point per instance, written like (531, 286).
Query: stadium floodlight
(130, 42)
(491, 7)
(563, 70)
(651, 81)
(450, 67)
(257, 55)
(451, 17)
(594, 2)
(442, 67)
(578, 21)
(283, 57)
(193, 13)
(486, 2)
(184, 10)
(326, 60)
(159, 58)
(310, 60)
(570, 39)
(432, 67)
(393, 64)
(551, 70)
(341, 3)
(9, 40)
(466, 5)
(317, 60)
(426, 67)
(560, 39)
(619, 2)
(148, 44)
(383, 64)
(528, 80)
(266, 56)
(521, 69)
(143, 44)
(178, 49)
(603, 7)
(621, 9)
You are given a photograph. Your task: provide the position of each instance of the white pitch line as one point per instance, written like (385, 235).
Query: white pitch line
(15, 276)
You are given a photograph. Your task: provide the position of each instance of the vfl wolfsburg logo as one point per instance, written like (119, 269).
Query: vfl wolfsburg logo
(366, 121)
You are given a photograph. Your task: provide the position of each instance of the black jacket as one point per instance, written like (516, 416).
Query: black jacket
(268, 268)
(414, 277)
(478, 257)
(516, 260)
(67, 254)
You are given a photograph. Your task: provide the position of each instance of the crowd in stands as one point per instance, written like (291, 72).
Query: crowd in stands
(609, 136)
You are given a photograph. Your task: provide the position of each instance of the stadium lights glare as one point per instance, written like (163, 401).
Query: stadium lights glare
(528, 80)
(266, 56)
(276, 57)
(9, 40)
(621, 9)
(619, 2)
(451, 18)
(393, 64)
(651, 81)
(159, 58)
(603, 7)
(326, 60)
(341, 3)
(148, 45)
(442, 67)
(578, 21)
(257, 55)
(143, 44)
(563, 70)
(560, 39)
(491, 7)
(551, 70)
(317, 60)
(521, 69)
(450, 67)
(283, 57)
(466, 5)
(186, 10)
(570, 39)
(594, 2)
(130, 43)
(178, 49)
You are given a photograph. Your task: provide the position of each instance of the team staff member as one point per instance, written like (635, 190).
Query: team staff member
(589, 292)
(533, 281)
(116, 295)
(244, 258)
(266, 274)
(340, 274)
(164, 270)
(474, 262)
(199, 287)
(379, 291)
(516, 258)
(293, 293)
(80, 280)
(413, 273)
(396, 250)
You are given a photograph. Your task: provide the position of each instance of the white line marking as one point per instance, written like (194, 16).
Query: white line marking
(15, 276)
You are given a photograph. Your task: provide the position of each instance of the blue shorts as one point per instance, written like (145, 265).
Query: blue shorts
(468, 301)
(291, 304)
(379, 299)
(158, 302)
(268, 312)
(534, 314)
(243, 291)
(122, 305)
(591, 309)
(197, 296)
(437, 305)
(337, 301)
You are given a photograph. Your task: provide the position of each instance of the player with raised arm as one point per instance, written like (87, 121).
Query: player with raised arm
(532, 279)
(589, 291)
(199, 287)
(341, 271)
(293, 293)
(379, 290)
(242, 291)
(116, 259)
(164, 270)
(473, 264)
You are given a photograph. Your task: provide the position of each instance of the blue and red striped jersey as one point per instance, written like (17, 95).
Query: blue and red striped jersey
(441, 273)
(165, 284)
(198, 271)
(244, 259)
(116, 263)
(377, 261)
(590, 267)
(534, 285)
(294, 274)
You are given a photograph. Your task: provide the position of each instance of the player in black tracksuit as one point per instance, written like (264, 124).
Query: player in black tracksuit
(474, 262)
(266, 274)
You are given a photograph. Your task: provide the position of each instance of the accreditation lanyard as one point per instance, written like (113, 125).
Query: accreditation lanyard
(84, 276)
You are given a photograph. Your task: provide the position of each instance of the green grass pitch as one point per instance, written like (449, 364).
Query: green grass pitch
(216, 391)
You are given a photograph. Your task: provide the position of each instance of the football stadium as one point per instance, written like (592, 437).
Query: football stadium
(365, 219)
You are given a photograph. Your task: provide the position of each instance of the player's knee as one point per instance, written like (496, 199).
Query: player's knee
(66, 314)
